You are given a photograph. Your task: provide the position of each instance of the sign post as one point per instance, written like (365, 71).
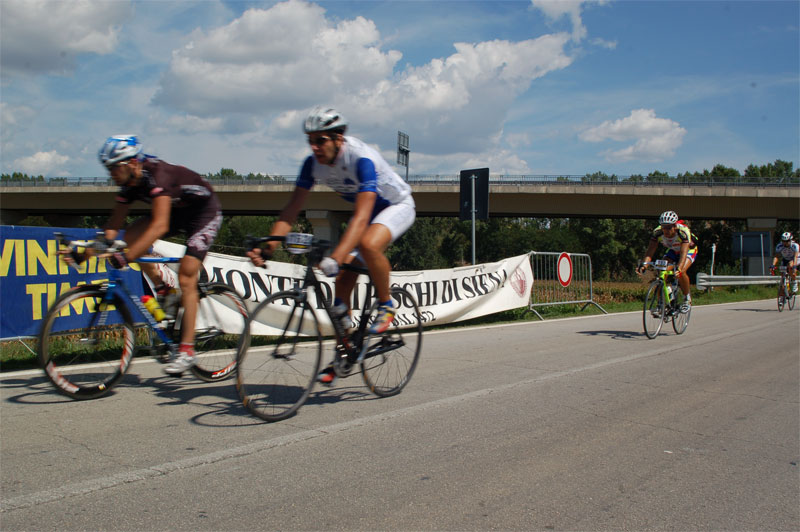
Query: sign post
(403, 151)
(474, 198)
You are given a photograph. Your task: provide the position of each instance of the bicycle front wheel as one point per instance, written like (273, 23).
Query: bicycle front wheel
(653, 314)
(220, 329)
(680, 319)
(86, 343)
(280, 358)
(781, 296)
(390, 358)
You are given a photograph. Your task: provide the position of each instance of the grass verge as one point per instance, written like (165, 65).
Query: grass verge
(613, 297)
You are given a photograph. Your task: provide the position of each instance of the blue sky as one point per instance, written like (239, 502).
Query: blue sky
(523, 87)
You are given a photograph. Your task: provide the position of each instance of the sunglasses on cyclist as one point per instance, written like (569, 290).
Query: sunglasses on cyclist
(319, 141)
(669, 227)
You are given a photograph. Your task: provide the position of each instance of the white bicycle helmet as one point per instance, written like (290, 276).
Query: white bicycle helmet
(667, 218)
(786, 237)
(324, 119)
(119, 148)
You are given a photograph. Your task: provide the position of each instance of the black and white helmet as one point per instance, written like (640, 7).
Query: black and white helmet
(667, 218)
(119, 148)
(324, 119)
(786, 237)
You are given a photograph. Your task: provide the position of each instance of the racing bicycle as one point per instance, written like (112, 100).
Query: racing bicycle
(785, 295)
(92, 331)
(663, 301)
(275, 380)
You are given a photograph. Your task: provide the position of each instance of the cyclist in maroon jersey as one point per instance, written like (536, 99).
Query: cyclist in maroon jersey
(182, 201)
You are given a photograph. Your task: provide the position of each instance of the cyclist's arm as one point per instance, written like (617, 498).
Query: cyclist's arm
(158, 227)
(365, 202)
(116, 220)
(288, 215)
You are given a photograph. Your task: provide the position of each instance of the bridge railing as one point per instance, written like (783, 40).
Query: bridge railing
(454, 179)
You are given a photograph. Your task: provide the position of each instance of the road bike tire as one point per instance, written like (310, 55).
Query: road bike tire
(86, 344)
(680, 320)
(781, 296)
(276, 368)
(391, 357)
(790, 301)
(653, 312)
(221, 327)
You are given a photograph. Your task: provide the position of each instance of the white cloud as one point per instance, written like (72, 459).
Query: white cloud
(287, 56)
(42, 163)
(44, 36)
(274, 64)
(655, 138)
(555, 9)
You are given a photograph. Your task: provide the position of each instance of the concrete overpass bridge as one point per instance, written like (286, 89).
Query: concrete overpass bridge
(62, 202)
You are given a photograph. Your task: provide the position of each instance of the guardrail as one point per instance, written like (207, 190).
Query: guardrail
(454, 179)
(554, 287)
(705, 281)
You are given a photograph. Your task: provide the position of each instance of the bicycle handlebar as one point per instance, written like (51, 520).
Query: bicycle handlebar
(102, 246)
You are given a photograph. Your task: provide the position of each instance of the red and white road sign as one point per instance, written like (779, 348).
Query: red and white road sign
(564, 269)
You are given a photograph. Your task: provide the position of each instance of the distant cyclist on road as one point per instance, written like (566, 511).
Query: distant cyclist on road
(681, 250)
(787, 251)
(383, 210)
(182, 201)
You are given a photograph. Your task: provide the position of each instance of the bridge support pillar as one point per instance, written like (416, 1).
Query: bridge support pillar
(757, 265)
(327, 224)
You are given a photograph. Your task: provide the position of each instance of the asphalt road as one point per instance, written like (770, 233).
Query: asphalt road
(577, 424)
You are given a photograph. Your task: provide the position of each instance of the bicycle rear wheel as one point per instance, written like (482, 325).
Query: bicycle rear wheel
(653, 313)
(221, 327)
(790, 301)
(86, 343)
(680, 319)
(279, 359)
(391, 357)
(781, 296)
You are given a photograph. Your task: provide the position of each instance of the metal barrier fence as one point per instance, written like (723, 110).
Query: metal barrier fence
(705, 281)
(561, 279)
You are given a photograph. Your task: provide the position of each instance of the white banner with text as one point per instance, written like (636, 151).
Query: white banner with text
(444, 296)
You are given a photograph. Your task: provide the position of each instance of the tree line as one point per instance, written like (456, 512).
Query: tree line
(779, 172)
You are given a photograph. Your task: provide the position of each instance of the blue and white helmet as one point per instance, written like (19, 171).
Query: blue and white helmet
(786, 237)
(119, 148)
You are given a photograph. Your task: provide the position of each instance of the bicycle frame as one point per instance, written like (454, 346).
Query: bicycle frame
(666, 273)
(116, 282)
(310, 280)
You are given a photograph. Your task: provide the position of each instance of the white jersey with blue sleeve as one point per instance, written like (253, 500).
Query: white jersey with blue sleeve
(787, 252)
(358, 168)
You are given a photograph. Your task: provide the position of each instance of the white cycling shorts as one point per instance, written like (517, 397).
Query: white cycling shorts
(397, 218)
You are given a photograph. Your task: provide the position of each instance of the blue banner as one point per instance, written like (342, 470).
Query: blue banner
(32, 276)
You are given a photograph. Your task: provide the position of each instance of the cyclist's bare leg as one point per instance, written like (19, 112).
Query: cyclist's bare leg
(376, 239)
(683, 280)
(187, 278)
(345, 283)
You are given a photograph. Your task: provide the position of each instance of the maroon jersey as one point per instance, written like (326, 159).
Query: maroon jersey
(186, 187)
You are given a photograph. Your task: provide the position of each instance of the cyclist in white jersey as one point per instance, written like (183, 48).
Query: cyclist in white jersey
(787, 251)
(383, 210)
